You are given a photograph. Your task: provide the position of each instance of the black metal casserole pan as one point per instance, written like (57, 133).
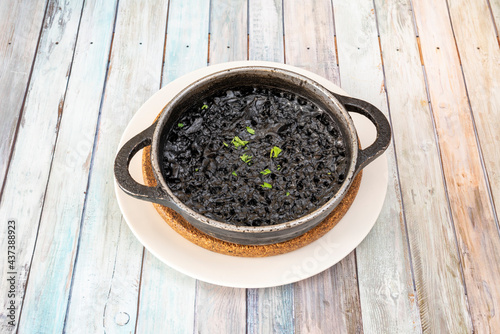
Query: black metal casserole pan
(337, 106)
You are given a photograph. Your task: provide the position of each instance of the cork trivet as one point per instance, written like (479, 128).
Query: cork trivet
(181, 226)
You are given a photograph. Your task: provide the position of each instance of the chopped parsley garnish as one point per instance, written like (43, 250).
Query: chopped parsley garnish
(237, 142)
(266, 171)
(225, 144)
(287, 193)
(246, 158)
(266, 185)
(250, 130)
(180, 125)
(196, 169)
(204, 107)
(275, 151)
(278, 167)
(234, 173)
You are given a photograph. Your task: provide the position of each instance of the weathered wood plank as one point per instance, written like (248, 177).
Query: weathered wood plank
(265, 30)
(186, 50)
(221, 309)
(309, 37)
(329, 301)
(58, 231)
(309, 43)
(495, 9)
(432, 241)
(25, 186)
(269, 310)
(478, 239)
(228, 31)
(20, 24)
(187, 38)
(471, 209)
(104, 293)
(166, 307)
(384, 272)
(480, 59)
(47, 292)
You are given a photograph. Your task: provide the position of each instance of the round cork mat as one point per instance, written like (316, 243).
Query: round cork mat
(181, 226)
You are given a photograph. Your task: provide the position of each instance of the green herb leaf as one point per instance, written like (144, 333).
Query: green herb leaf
(204, 107)
(225, 144)
(287, 193)
(181, 125)
(234, 173)
(246, 158)
(266, 185)
(237, 142)
(275, 151)
(266, 171)
(278, 167)
(250, 130)
(196, 169)
(329, 173)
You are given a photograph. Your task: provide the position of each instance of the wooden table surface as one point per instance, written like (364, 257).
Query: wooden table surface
(73, 73)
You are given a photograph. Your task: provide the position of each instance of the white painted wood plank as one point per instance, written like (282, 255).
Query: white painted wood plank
(269, 310)
(173, 303)
(228, 31)
(104, 295)
(480, 59)
(221, 309)
(265, 30)
(436, 268)
(384, 272)
(20, 24)
(432, 279)
(310, 43)
(309, 37)
(31, 160)
(466, 184)
(479, 240)
(47, 293)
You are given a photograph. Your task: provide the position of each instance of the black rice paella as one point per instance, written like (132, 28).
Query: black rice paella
(254, 156)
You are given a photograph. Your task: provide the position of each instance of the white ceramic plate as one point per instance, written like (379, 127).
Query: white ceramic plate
(202, 264)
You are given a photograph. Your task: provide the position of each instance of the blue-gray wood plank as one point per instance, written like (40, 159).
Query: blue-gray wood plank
(20, 23)
(105, 285)
(48, 289)
(173, 301)
(25, 187)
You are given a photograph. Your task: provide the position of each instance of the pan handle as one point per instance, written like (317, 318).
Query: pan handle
(378, 119)
(125, 180)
